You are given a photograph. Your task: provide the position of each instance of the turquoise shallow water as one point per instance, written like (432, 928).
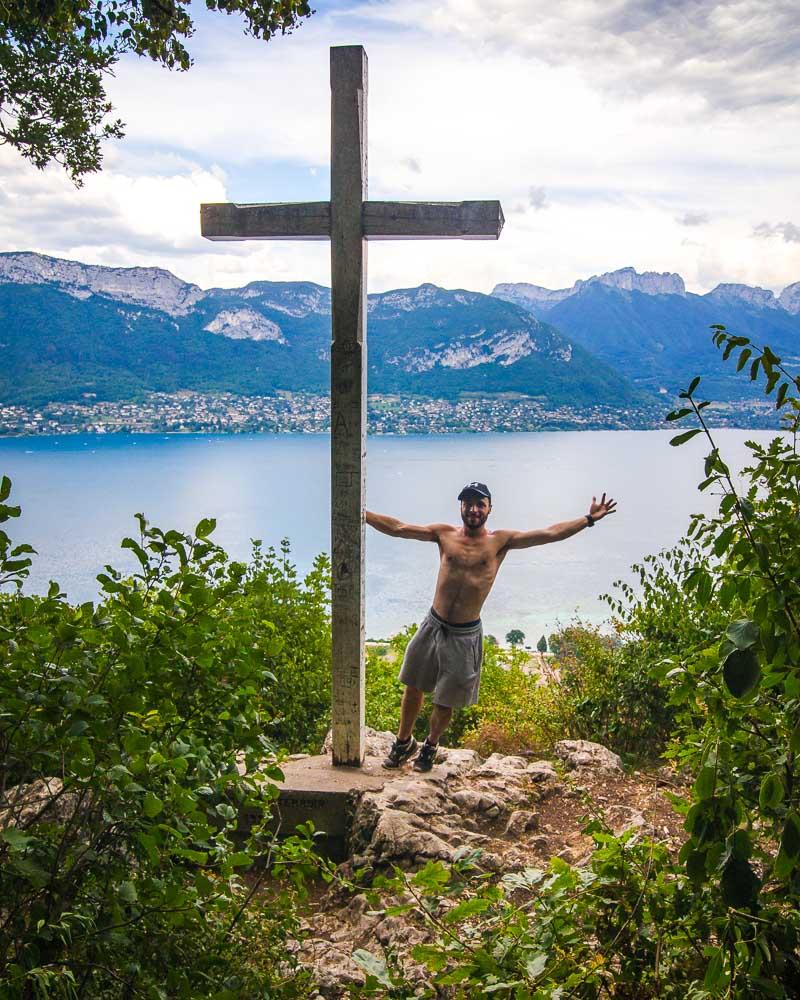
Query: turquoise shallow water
(79, 495)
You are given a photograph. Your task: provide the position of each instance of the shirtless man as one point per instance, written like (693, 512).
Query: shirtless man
(445, 654)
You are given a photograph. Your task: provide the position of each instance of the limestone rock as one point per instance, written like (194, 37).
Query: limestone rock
(584, 753)
(499, 765)
(540, 300)
(245, 324)
(763, 298)
(399, 835)
(377, 743)
(147, 286)
(520, 822)
(41, 799)
(790, 298)
(542, 771)
(334, 970)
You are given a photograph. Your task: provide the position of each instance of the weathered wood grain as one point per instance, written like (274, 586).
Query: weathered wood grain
(279, 221)
(432, 220)
(348, 396)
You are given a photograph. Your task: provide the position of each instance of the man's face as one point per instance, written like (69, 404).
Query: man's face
(475, 509)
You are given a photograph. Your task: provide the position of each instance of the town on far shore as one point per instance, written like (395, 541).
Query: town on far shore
(306, 413)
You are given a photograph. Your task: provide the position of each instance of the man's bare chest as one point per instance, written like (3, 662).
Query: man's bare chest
(466, 558)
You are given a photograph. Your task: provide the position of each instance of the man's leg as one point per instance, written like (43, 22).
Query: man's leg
(410, 708)
(440, 720)
(405, 746)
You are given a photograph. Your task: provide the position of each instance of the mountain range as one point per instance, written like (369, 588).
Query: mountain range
(656, 333)
(70, 330)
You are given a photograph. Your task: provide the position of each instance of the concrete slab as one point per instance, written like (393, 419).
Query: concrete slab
(315, 789)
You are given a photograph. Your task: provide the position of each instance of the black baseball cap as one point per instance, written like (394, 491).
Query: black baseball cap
(475, 489)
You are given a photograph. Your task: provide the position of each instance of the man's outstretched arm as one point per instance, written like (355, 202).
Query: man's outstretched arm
(564, 529)
(399, 529)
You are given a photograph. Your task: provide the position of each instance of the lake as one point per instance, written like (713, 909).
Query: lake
(79, 495)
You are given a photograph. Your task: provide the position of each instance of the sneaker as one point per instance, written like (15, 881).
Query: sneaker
(400, 753)
(426, 757)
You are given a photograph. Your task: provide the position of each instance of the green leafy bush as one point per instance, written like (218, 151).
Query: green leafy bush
(133, 737)
(607, 691)
(384, 691)
(517, 711)
(733, 670)
(298, 614)
(625, 926)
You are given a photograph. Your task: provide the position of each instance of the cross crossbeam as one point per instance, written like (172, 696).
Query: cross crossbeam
(349, 220)
(380, 220)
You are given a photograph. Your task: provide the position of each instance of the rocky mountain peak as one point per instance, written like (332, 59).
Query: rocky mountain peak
(628, 279)
(146, 286)
(539, 299)
(790, 298)
(763, 298)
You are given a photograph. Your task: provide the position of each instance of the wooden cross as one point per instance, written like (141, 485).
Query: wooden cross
(348, 219)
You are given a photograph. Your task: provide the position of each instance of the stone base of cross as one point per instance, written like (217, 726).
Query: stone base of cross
(349, 220)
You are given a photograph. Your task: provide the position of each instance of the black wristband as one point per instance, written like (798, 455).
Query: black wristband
(589, 520)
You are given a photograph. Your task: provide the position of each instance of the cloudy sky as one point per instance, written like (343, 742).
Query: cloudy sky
(661, 134)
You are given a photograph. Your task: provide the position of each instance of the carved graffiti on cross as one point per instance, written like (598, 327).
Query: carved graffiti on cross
(349, 220)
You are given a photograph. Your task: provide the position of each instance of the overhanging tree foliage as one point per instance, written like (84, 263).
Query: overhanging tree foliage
(54, 55)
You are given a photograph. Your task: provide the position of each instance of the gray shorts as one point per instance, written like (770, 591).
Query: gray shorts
(445, 659)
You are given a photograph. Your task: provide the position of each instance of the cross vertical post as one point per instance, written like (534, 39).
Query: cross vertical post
(350, 220)
(348, 396)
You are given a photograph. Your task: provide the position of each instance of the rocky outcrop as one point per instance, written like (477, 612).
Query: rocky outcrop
(628, 279)
(43, 800)
(578, 754)
(539, 300)
(790, 298)
(518, 812)
(533, 297)
(144, 286)
(761, 298)
(245, 324)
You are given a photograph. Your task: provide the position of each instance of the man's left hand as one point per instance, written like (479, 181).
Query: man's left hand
(599, 510)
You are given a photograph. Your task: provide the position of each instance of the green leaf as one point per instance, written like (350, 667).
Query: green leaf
(716, 969)
(373, 966)
(152, 805)
(693, 385)
(743, 633)
(429, 955)
(679, 414)
(205, 527)
(772, 791)
(739, 884)
(127, 892)
(467, 909)
(535, 966)
(744, 357)
(686, 436)
(16, 839)
(5, 488)
(794, 739)
(781, 397)
(741, 672)
(705, 782)
(790, 840)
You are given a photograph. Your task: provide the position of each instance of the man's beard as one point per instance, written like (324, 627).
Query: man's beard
(474, 521)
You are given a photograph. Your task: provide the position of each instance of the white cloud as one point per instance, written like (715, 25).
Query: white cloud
(788, 230)
(637, 120)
